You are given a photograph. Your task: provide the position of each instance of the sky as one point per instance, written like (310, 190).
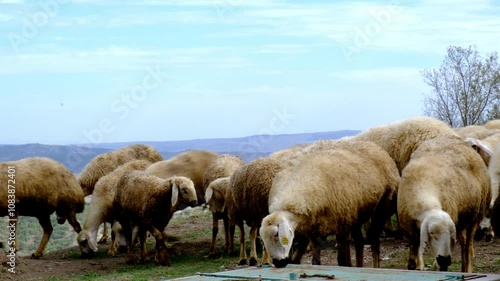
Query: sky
(91, 71)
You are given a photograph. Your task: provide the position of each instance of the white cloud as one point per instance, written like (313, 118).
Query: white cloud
(379, 75)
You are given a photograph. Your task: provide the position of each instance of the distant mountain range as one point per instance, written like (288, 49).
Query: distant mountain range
(248, 148)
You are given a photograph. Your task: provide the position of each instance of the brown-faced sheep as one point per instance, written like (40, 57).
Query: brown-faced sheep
(331, 192)
(191, 164)
(148, 202)
(222, 166)
(443, 195)
(247, 201)
(400, 139)
(42, 186)
(101, 207)
(105, 163)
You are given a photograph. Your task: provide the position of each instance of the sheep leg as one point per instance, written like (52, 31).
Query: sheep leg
(230, 247)
(113, 247)
(215, 230)
(47, 231)
(302, 242)
(467, 247)
(316, 257)
(373, 235)
(105, 234)
(225, 220)
(359, 244)
(127, 232)
(161, 256)
(74, 222)
(344, 250)
(243, 252)
(253, 249)
(142, 242)
(415, 261)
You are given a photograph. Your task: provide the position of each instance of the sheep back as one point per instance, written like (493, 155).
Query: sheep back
(42, 186)
(143, 199)
(191, 164)
(222, 166)
(400, 139)
(105, 163)
(492, 124)
(448, 170)
(248, 192)
(105, 188)
(332, 190)
(289, 156)
(475, 131)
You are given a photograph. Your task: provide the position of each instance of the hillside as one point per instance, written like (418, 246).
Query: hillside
(248, 148)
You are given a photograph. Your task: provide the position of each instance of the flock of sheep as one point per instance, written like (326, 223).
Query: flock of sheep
(440, 182)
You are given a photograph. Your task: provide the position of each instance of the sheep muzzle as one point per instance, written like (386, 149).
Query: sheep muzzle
(443, 262)
(281, 263)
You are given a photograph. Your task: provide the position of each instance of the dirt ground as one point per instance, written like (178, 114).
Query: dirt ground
(66, 263)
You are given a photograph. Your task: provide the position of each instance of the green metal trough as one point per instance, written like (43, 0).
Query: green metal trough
(319, 272)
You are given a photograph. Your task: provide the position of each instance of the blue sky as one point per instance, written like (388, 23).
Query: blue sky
(103, 71)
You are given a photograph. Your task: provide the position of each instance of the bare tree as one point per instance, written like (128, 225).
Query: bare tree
(465, 89)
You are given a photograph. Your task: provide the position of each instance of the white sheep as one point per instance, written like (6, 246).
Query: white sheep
(400, 139)
(148, 202)
(443, 195)
(332, 192)
(41, 187)
(101, 208)
(475, 131)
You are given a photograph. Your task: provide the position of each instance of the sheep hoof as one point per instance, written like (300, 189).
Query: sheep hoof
(253, 261)
(103, 240)
(243, 262)
(35, 256)
(111, 253)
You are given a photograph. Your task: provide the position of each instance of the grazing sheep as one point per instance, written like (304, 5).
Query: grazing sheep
(400, 139)
(247, 201)
(443, 195)
(101, 207)
(105, 163)
(331, 192)
(42, 186)
(222, 166)
(148, 202)
(191, 164)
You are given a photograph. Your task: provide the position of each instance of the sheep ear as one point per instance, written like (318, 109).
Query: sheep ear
(479, 145)
(283, 232)
(175, 193)
(208, 194)
(424, 236)
(93, 244)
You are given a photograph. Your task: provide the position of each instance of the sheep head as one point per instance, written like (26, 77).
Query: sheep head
(277, 234)
(439, 233)
(86, 243)
(183, 191)
(215, 195)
